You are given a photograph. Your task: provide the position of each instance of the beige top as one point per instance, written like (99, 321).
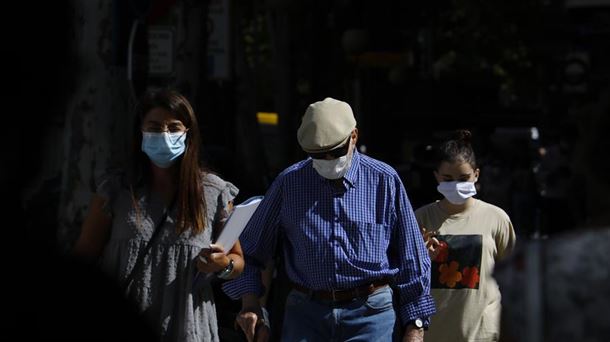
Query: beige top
(467, 297)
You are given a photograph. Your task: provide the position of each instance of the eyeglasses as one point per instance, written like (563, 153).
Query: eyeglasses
(336, 153)
(175, 127)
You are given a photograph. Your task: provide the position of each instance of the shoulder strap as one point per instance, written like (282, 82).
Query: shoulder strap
(149, 244)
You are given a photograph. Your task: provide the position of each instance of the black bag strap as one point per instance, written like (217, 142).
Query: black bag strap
(127, 282)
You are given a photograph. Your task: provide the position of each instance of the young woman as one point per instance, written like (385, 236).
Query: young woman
(151, 227)
(465, 237)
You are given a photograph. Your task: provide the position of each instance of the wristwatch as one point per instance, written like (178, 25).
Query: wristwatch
(418, 323)
(226, 272)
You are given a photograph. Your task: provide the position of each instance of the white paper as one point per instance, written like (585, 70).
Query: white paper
(237, 221)
(235, 224)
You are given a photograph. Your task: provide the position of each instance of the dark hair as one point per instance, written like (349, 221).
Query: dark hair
(456, 149)
(191, 207)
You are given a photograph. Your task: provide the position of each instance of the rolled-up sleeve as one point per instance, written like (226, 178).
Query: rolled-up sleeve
(409, 255)
(258, 242)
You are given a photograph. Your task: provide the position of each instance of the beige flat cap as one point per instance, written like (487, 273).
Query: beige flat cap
(326, 125)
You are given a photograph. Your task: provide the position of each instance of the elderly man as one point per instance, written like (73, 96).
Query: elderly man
(350, 240)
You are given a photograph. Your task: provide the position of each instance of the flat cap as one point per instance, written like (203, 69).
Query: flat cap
(326, 125)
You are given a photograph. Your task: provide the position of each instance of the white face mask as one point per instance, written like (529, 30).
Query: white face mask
(457, 192)
(334, 168)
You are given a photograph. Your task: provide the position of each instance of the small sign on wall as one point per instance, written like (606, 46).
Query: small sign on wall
(161, 50)
(219, 61)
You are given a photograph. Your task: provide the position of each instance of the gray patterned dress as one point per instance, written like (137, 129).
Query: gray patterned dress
(178, 308)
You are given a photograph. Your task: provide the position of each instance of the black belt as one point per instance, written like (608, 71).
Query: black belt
(343, 295)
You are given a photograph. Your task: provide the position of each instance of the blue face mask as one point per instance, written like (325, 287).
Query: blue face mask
(163, 148)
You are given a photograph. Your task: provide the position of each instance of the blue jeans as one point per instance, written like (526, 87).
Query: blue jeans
(365, 319)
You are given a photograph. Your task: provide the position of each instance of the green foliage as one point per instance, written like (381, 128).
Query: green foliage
(489, 40)
(255, 37)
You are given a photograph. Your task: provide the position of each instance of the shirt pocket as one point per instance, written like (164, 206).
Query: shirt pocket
(368, 244)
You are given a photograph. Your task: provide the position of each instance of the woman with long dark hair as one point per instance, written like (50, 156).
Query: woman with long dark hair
(151, 227)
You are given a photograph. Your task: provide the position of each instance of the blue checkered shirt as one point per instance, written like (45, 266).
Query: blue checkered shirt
(339, 239)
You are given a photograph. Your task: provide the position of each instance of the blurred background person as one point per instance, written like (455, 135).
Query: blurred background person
(558, 288)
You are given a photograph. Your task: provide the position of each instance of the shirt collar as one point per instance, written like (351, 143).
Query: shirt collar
(352, 174)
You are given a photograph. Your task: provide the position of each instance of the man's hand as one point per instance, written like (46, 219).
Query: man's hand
(252, 321)
(254, 326)
(413, 334)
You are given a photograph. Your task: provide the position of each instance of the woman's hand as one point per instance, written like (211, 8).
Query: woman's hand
(432, 243)
(212, 259)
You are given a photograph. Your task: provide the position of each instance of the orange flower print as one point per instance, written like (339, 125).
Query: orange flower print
(470, 277)
(449, 274)
(443, 252)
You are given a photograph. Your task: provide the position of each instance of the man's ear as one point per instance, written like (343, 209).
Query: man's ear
(355, 135)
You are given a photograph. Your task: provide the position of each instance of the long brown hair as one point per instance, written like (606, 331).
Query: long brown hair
(189, 198)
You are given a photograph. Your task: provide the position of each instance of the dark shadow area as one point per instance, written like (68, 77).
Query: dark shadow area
(47, 296)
